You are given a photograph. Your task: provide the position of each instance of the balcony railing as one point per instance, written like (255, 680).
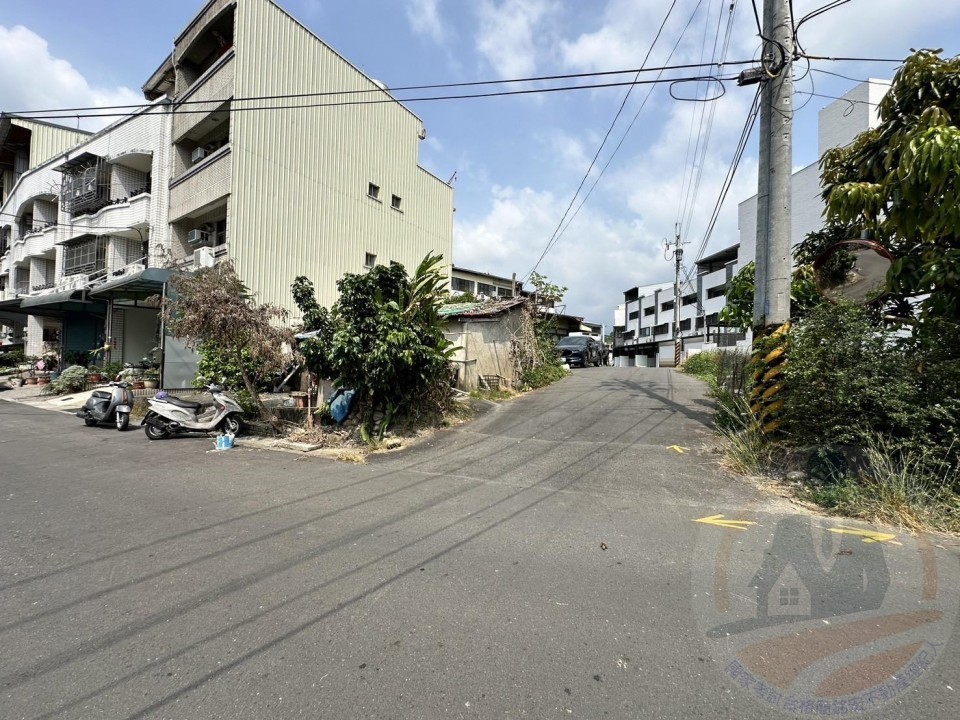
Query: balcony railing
(42, 286)
(22, 288)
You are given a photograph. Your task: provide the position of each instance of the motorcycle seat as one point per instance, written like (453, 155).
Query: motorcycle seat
(186, 404)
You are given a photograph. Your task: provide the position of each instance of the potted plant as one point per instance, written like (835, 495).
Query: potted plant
(30, 368)
(151, 378)
(94, 374)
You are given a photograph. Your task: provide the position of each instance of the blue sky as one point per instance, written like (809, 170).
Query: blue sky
(518, 160)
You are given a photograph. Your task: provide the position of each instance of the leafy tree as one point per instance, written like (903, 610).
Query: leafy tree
(213, 306)
(547, 293)
(738, 310)
(902, 180)
(848, 380)
(316, 319)
(383, 338)
(389, 343)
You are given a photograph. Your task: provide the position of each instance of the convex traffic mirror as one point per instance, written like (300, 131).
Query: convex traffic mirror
(853, 270)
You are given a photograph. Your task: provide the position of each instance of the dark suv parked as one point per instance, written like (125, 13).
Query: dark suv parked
(579, 350)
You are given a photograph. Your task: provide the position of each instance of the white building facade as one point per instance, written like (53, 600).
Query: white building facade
(321, 184)
(645, 337)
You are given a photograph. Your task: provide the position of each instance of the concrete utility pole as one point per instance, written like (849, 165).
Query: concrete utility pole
(678, 266)
(771, 303)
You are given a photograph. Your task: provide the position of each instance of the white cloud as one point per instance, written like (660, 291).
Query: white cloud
(615, 242)
(881, 28)
(513, 34)
(598, 258)
(33, 79)
(424, 18)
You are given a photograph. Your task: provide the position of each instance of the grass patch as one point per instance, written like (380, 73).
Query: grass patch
(703, 366)
(911, 488)
(747, 450)
(492, 395)
(542, 376)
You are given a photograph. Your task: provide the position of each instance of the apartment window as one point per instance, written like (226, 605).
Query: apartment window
(645, 332)
(718, 291)
(635, 314)
(667, 305)
(461, 285)
(85, 257)
(373, 191)
(689, 299)
(369, 260)
(662, 329)
(395, 202)
(649, 311)
(488, 290)
(220, 232)
(684, 325)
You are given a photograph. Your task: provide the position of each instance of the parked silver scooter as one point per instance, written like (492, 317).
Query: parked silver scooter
(107, 407)
(169, 415)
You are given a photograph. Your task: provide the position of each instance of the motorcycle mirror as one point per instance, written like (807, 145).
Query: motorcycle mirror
(854, 270)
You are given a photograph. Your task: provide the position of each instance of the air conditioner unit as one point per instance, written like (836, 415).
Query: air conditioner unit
(203, 257)
(197, 236)
(198, 155)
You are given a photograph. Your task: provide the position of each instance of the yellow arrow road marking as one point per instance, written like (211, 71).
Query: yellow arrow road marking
(677, 448)
(720, 522)
(869, 536)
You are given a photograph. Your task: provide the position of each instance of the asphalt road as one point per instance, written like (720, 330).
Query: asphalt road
(542, 561)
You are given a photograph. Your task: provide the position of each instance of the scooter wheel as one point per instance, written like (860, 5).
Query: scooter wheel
(155, 433)
(89, 422)
(122, 420)
(231, 424)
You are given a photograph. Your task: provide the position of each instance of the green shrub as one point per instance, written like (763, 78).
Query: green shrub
(13, 358)
(848, 380)
(703, 366)
(216, 365)
(542, 375)
(112, 369)
(73, 379)
(900, 486)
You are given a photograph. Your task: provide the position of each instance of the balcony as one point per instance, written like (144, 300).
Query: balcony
(202, 185)
(208, 38)
(207, 93)
(127, 212)
(38, 241)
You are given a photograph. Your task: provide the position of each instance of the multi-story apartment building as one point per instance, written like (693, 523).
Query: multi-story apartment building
(483, 285)
(268, 149)
(644, 328)
(79, 225)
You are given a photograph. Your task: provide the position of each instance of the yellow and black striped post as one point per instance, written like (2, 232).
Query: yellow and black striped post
(768, 361)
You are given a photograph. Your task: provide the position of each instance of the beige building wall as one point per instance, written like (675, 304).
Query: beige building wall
(47, 141)
(299, 202)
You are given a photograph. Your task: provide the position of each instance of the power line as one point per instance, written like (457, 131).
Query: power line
(849, 59)
(685, 220)
(329, 93)
(533, 91)
(837, 97)
(731, 172)
(623, 137)
(593, 162)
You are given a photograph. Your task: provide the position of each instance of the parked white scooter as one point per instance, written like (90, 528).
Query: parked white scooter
(169, 415)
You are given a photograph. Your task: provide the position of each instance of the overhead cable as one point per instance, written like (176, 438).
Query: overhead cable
(596, 155)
